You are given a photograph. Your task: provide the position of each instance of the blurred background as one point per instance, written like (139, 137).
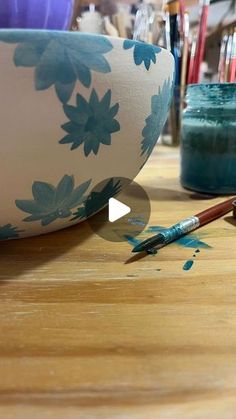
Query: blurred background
(201, 34)
(221, 20)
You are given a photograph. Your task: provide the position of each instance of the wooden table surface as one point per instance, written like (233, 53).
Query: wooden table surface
(84, 335)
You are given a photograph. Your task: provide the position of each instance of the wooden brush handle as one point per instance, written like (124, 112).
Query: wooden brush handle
(215, 212)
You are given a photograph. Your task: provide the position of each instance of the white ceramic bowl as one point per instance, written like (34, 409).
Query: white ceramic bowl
(76, 109)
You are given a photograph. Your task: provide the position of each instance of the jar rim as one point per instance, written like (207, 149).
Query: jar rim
(219, 86)
(212, 94)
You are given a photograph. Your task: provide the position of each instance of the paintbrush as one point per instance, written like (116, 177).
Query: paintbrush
(184, 57)
(167, 30)
(228, 56)
(200, 48)
(184, 227)
(173, 9)
(192, 60)
(221, 67)
(141, 24)
(181, 15)
(232, 63)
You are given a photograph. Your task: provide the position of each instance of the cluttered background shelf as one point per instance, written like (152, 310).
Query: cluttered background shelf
(86, 334)
(201, 36)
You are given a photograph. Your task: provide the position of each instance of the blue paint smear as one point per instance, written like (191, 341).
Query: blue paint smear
(190, 240)
(188, 265)
(187, 241)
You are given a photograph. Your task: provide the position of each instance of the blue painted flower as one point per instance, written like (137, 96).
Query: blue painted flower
(8, 232)
(91, 123)
(98, 200)
(145, 53)
(155, 122)
(51, 203)
(59, 58)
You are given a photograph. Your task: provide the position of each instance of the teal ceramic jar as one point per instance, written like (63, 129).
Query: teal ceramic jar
(208, 139)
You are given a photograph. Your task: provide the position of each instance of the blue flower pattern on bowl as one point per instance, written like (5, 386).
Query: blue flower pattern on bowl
(155, 121)
(98, 200)
(51, 203)
(143, 53)
(59, 59)
(91, 123)
(8, 232)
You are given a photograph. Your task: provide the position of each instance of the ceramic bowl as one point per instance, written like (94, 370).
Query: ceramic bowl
(76, 109)
(36, 14)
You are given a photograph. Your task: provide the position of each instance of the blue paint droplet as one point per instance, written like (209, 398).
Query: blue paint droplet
(188, 265)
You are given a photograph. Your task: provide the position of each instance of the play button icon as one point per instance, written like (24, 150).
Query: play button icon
(117, 210)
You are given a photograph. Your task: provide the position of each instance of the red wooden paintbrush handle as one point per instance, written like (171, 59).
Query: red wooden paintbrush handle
(201, 41)
(232, 70)
(216, 211)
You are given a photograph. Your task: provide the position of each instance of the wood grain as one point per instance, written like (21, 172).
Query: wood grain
(85, 335)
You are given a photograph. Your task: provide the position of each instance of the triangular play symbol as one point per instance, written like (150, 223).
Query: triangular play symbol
(117, 210)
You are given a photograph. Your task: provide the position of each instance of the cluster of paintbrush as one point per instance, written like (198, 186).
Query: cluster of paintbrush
(171, 29)
(227, 61)
(195, 46)
(187, 42)
(187, 47)
(168, 25)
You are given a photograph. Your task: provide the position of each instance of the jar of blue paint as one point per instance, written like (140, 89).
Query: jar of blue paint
(208, 139)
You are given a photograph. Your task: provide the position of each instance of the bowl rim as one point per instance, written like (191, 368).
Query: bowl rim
(83, 34)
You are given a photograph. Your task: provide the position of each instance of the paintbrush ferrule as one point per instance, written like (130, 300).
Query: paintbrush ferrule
(180, 229)
(169, 235)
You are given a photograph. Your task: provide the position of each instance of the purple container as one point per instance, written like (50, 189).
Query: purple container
(36, 14)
